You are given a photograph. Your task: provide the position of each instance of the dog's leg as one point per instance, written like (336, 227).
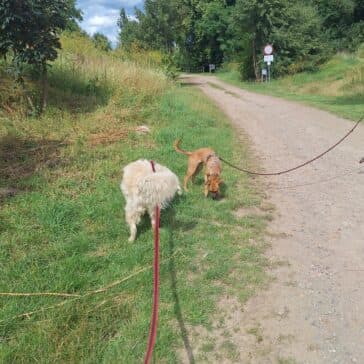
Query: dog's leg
(151, 213)
(133, 231)
(185, 181)
(132, 216)
(206, 186)
(206, 192)
(191, 170)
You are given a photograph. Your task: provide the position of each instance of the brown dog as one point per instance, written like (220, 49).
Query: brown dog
(208, 158)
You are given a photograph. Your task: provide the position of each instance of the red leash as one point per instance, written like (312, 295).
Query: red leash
(154, 319)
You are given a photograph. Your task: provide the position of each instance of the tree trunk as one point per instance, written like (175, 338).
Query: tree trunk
(27, 96)
(43, 101)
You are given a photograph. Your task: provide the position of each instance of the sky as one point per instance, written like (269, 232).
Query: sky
(102, 15)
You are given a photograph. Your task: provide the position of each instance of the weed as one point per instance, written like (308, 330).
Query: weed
(286, 361)
(257, 332)
(230, 350)
(208, 346)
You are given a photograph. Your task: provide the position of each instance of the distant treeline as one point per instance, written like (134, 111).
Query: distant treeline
(304, 33)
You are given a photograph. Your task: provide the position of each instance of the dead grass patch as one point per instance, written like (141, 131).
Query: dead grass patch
(108, 137)
(251, 211)
(22, 157)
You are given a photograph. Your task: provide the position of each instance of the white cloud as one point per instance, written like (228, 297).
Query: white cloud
(102, 21)
(130, 3)
(102, 15)
(132, 17)
(111, 4)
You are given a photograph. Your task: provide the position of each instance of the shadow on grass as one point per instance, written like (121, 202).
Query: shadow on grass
(77, 93)
(168, 220)
(349, 100)
(21, 158)
(172, 223)
(68, 89)
(189, 84)
(223, 191)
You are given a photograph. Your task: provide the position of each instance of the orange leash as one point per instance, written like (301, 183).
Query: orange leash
(154, 319)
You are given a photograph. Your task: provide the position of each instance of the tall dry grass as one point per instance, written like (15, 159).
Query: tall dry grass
(136, 73)
(81, 70)
(90, 92)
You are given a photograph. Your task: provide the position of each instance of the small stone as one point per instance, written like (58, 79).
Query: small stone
(142, 129)
(8, 192)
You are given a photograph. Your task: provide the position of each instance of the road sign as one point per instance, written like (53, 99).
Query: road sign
(268, 49)
(268, 59)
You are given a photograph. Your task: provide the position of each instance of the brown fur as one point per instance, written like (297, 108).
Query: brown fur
(361, 160)
(197, 158)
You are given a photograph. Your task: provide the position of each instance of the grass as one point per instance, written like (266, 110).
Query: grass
(230, 350)
(64, 230)
(257, 332)
(286, 361)
(338, 86)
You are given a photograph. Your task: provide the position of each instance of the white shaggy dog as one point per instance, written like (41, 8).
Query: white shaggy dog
(143, 189)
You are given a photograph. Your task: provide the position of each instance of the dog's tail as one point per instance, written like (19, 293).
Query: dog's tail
(178, 149)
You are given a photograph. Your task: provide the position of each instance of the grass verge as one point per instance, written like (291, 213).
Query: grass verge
(338, 86)
(64, 231)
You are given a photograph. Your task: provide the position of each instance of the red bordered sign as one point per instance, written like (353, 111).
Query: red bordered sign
(268, 49)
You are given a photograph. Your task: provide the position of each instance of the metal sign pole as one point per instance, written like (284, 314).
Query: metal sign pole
(268, 58)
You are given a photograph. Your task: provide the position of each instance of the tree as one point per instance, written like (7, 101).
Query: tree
(129, 30)
(29, 30)
(256, 20)
(198, 32)
(101, 42)
(155, 28)
(160, 23)
(195, 31)
(293, 28)
(300, 43)
(343, 22)
(213, 30)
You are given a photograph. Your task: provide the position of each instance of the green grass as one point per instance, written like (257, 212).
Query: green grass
(338, 86)
(286, 361)
(64, 231)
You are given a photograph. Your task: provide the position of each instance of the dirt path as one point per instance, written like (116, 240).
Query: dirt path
(314, 310)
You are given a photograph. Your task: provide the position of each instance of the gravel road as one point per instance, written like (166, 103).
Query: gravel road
(313, 312)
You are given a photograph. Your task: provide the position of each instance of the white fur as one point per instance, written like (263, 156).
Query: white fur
(144, 189)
